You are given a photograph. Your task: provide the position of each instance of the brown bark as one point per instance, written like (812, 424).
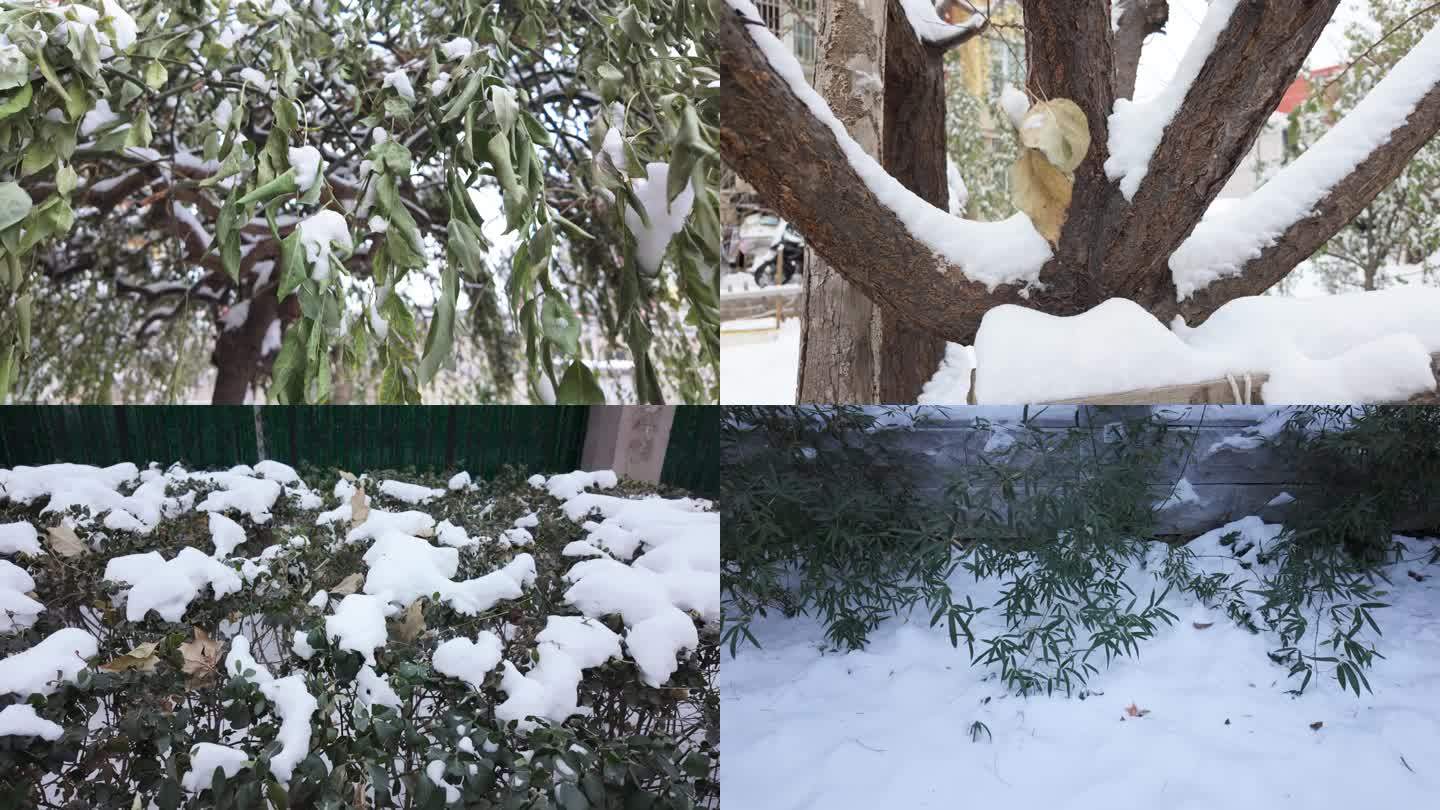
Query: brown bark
(772, 139)
(914, 154)
(1256, 56)
(237, 351)
(837, 349)
(1138, 20)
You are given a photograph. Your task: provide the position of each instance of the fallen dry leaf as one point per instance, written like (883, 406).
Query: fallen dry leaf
(411, 624)
(202, 657)
(63, 541)
(1042, 192)
(143, 658)
(1315, 726)
(347, 586)
(359, 508)
(1202, 625)
(1135, 711)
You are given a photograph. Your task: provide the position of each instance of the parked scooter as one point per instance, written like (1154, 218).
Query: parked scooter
(789, 250)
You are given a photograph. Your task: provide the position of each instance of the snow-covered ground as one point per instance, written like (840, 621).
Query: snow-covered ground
(1212, 725)
(758, 366)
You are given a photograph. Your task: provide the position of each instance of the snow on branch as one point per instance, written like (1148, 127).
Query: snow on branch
(1011, 251)
(1137, 127)
(930, 29)
(1238, 231)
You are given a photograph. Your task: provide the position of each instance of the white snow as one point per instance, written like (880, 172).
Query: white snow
(168, 586)
(254, 77)
(358, 624)
(1182, 494)
(205, 758)
(380, 523)
(567, 485)
(374, 689)
(240, 491)
(435, 772)
(59, 657)
(1015, 104)
(1136, 127)
(1370, 346)
(469, 661)
(452, 535)
(294, 703)
(240, 663)
(226, 534)
(305, 160)
(1232, 234)
(97, 118)
(400, 80)
(318, 233)
(280, 473)
(889, 726)
(459, 481)
(20, 720)
(667, 217)
(567, 646)
(959, 194)
(928, 26)
(19, 538)
(762, 369)
(457, 48)
(409, 493)
(1007, 252)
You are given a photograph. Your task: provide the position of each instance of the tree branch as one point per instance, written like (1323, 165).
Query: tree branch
(1255, 58)
(1344, 201)
(771, 138)
(1138, 20)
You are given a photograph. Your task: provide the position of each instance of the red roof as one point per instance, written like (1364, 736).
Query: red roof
(1299, 90)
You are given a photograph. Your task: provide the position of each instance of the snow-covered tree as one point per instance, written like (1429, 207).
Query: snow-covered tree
(1396, 238)
(1117, 190)
(323, 195)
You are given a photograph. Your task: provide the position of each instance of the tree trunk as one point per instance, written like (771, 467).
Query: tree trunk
(837, 341)
(237, 351)
(914, 136)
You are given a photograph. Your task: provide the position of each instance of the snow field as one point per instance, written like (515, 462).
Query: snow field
(890, 726)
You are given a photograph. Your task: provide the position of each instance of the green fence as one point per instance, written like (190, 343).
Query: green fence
(481, 439)
(692, 458)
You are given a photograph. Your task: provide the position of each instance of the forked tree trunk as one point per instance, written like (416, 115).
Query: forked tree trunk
(237, 351)
(914, 134)
(837, 351)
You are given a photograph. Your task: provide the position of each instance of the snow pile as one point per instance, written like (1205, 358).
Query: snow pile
(459, 481)
(20, 720)
(19, 538)
(95, 491)
(993, 253)
(469, 661)
(373, 689)
(404, 568)
(452, 535)
(1136, 127)
(17, 611)
(567, 646)
(240, 491)
(168, 586)
(305, 160)
(380, 523)
(226, 534)
(319, 233)
(409, 493)
(1183, 493)
(928, 26)
(205, 758)
(1360, 347)
(294, 703)
(358, 624)
(666, 216)
(679, 572)
(567, 485)
(1233, 234)
(60, 656)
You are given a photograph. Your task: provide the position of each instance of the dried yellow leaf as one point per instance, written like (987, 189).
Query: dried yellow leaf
(202, 657)
(1042, 191)
(359, 508)
(347, 586)
(63, 541)
(1058, 129)
(143, 658)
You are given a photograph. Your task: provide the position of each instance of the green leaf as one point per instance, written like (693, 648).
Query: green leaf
(569, 797)
(17, 102)
(292, 265)
(502, 100)
(442, 327)
(579, 387)
(15, 204)
(14, 67)
(560, 324)
(287, 118)
(287, 376)
(156, 75)
(466, 248)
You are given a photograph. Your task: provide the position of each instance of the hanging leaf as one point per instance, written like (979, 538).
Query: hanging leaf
(1058, 129)
(560, 324)
(1042, 191)
(579, 386)
(442, 326)
(14, 204)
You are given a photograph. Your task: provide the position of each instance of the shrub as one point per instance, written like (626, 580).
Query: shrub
(129, 726)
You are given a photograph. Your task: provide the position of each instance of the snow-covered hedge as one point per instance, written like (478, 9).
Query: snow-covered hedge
(231, 638)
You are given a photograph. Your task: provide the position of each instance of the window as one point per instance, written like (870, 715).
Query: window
(770, 14)
(1007, 65)
(804, 42)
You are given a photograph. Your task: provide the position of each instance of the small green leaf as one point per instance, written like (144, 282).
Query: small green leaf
(560, 324)
(15, 204)
(442, 327)
(17, 102)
